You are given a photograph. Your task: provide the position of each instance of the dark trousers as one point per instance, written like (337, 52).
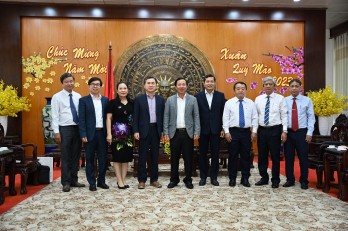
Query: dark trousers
(206, 140)
(240, 145)
(269, 141)
(151, 142)
(98, 146)
(181, 143)
(296, 141)
(70, 153)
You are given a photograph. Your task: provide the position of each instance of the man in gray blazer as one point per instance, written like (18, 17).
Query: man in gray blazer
(181, 125)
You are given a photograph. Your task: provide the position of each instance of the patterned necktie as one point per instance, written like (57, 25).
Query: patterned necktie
(73, 110)
(266, 121)
(241, 114)
(294, 116)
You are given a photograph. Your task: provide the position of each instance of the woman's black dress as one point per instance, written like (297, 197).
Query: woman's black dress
(121, 116)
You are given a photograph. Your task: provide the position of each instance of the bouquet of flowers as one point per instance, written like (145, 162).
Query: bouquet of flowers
(121, 135)
(10, 102)
(327, 103)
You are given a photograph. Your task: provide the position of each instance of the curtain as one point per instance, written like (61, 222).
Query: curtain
(340, 75)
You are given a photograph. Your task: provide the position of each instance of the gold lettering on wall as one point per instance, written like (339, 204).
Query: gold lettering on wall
(226, 55)
(82, 53)
(96, 69)
(237, 69)
(261, 69)
(73, 68)
(55, 51)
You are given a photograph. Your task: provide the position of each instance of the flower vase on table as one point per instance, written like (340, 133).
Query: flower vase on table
(325, 124)
(46, 125)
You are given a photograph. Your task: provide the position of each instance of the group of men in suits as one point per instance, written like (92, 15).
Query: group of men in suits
(183, 118)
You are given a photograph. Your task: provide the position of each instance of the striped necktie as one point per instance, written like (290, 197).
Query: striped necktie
(267, 112)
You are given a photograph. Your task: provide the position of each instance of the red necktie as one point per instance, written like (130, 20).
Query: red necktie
(294, 116)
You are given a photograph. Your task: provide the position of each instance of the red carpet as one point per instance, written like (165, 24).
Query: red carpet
(11, 201)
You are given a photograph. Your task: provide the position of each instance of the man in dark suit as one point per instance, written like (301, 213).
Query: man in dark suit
(181, 125)
(211, 106)
(92, 128)
(148, 127)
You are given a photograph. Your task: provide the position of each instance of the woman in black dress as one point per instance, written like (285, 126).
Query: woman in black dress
(119, 132)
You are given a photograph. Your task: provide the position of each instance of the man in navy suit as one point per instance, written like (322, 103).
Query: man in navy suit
(92, 128)
(211, 106)
(147, 128)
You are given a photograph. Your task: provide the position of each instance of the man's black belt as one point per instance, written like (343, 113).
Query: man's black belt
(270, 127)
(68, 126)
(240, 129)
(153, 124)
(98, 129)
(181, 129)
(300, 129)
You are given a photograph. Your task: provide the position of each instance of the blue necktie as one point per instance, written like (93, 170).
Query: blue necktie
(241, 114)
(73, 110)
(267, 112)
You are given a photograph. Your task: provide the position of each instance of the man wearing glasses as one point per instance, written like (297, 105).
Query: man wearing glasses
(92, 127)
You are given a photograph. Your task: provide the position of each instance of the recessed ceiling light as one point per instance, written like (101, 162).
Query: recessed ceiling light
(297, 0)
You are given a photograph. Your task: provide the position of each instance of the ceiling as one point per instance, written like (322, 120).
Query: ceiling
(337, 10)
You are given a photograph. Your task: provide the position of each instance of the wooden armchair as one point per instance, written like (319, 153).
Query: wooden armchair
(26, 162)
(338, 136)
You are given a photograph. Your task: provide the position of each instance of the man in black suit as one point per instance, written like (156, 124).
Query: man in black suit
(92, 128)
(211, 106)
(148, 128)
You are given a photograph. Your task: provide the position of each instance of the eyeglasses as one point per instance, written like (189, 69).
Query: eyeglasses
(95, 85)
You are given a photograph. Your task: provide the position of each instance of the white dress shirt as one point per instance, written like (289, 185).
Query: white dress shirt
(98, 111)
(209, 97)
(278, 111)
(230, 116)
(180, 115)
(305, 112)
(61, 112)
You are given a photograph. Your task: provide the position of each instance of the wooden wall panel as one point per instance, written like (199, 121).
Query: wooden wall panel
(253, 38)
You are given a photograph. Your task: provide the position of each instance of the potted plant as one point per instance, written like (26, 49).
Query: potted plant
(11, 103)
(327, 103)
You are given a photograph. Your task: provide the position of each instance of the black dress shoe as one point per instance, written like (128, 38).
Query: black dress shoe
(215, 182)
(304, 186)
(127, 186)
(275, 185)
(77, 185)
(172, 184)
(103, 185)
(232, 183)
(202, 182)
(123, 187)
(66, 188)
(189, 185)
(261, 182)
(92, 188)
(245, 182)
(288, 184)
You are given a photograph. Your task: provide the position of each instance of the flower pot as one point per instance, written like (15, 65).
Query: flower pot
(4, 121)
(325, 124)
